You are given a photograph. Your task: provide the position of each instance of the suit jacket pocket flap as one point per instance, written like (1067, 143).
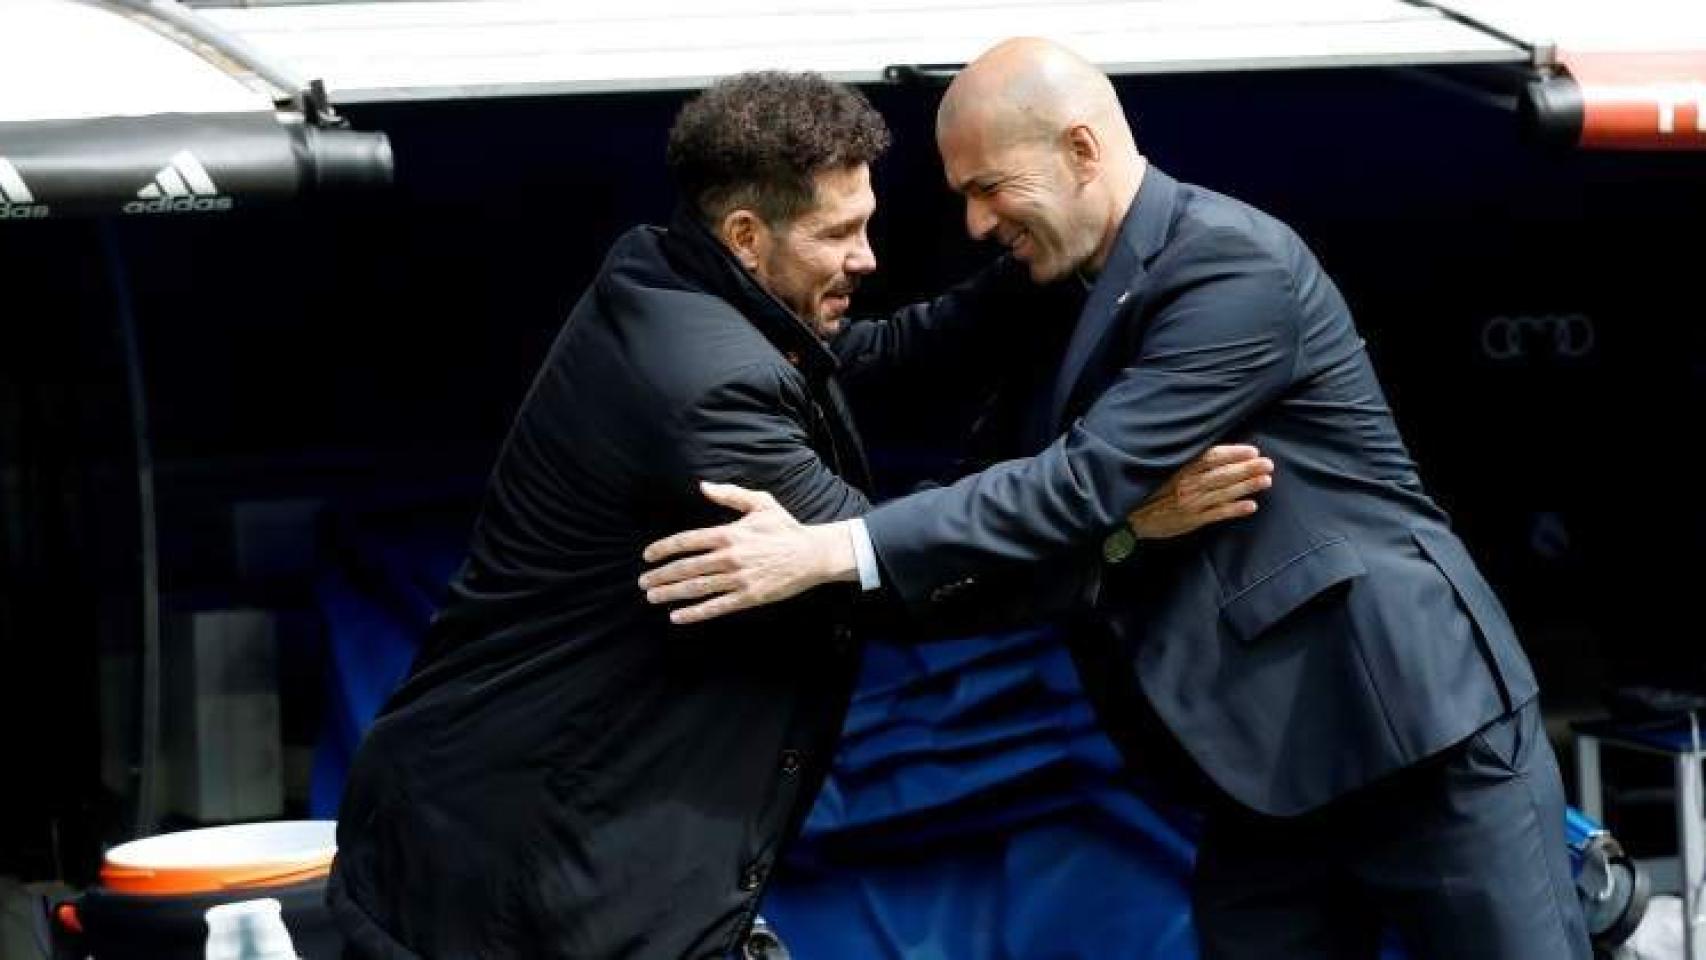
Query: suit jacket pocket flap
(1263, 603)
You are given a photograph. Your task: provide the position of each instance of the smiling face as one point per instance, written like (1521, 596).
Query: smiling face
(814, 262)
(1026, 193)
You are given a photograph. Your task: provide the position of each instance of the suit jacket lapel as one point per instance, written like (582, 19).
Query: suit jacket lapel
(1141, 236)
(1095, 321)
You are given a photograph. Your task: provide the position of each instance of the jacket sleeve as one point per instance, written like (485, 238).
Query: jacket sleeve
(1221, 342)
(751, 429)
(967, 337)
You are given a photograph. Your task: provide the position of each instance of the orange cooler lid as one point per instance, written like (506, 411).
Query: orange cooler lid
(213, 859)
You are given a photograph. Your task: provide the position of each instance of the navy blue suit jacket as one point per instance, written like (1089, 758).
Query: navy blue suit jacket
(1340, 633)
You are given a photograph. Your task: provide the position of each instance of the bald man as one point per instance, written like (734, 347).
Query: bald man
(1334, 664)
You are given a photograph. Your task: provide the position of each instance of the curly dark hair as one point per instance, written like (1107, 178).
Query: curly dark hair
(756, 140)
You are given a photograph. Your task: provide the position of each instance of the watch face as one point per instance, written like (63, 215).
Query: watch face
(1119, 545)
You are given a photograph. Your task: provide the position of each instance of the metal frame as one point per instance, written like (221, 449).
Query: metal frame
(1690, 816)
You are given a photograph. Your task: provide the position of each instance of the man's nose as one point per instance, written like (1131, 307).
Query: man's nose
(979, 218)
(863, 259)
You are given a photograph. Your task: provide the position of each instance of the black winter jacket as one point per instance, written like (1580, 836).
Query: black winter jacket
(564, 773)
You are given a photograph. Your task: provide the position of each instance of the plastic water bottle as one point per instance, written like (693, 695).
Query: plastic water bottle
(248, 930)
(763, 943)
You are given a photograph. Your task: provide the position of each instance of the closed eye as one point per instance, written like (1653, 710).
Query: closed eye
(842, 231)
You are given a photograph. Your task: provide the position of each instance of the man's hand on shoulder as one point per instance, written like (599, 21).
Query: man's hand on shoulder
(1216, 486)
(763, 557)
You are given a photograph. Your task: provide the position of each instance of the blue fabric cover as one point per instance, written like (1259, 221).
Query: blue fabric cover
(976, 812)
(383, 577)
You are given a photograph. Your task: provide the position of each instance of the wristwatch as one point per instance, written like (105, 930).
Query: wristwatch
(1120, 544)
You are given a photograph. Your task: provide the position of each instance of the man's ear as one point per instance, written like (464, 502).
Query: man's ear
(746, 235)
(1083, 152)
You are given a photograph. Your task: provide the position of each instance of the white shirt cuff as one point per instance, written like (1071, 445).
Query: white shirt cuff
(864, 555)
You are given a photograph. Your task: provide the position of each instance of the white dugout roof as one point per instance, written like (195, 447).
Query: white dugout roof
(90, 58)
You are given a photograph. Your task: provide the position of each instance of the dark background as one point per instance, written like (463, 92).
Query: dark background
(372, 354)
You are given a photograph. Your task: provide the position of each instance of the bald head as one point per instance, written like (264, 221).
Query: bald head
(1029, 88)
(1035, 138)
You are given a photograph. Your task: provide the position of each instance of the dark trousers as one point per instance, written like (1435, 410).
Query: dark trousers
(1463, 857)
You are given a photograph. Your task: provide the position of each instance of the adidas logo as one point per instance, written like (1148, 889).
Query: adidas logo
(16, 201)
(182, 186)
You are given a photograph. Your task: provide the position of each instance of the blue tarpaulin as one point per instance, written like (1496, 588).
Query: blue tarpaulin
(975, 811)
(381, 579)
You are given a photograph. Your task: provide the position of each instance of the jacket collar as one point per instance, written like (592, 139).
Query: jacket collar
(1142, 234)
(697, 254)
(1150, 218)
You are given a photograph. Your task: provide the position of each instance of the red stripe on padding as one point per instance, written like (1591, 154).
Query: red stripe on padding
(1641, 101)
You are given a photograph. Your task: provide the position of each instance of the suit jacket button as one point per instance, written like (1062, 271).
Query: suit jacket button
(751, 877)
(791, 762)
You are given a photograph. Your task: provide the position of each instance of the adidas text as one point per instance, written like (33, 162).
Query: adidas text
(179, 205)
(23, 211)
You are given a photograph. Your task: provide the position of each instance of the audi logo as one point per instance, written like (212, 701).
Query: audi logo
(1564, 334)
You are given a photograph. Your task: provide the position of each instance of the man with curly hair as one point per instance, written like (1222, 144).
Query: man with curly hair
(563, 773)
